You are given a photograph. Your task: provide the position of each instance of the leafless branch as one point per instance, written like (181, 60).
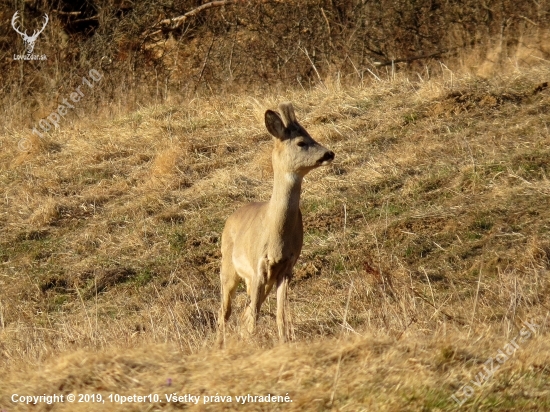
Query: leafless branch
(204, 64)
(87, 19)
(177, 21)
(68, 13)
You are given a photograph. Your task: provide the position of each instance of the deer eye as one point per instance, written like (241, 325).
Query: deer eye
(301, 144)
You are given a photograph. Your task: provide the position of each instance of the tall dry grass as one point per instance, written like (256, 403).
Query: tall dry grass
(426, 247)
(247, 46)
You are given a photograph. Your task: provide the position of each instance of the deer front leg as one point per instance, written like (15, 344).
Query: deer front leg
(257, 289)
(283, 317)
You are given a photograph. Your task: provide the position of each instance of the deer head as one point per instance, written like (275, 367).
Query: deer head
(295, 151)
(28, 40)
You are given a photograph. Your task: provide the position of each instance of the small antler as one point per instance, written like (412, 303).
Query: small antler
(287, 113)
(13, 20)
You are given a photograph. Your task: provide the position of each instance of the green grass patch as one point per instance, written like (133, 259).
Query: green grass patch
(533, 165)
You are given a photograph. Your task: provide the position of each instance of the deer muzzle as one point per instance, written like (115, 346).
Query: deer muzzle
(326, 159)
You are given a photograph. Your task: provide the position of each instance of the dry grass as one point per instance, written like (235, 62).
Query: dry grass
(434, 220)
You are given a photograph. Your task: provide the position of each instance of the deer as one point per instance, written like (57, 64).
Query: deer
(28, 40)
(262, 241)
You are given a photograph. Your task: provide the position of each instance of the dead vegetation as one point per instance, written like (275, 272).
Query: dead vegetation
(426, 246)
(427, 243)
(149, 53)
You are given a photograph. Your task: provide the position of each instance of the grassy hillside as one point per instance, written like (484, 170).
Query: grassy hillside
(427, 246)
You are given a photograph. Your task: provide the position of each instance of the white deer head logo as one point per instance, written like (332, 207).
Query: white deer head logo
(28, 40)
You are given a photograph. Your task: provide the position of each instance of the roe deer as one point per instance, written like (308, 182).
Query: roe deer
(262, 241)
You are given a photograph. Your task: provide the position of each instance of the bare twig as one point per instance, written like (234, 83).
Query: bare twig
(67, 13)
(86, 20)
(328, 24)
(313, 65)
(529, 20)
(205, 62)
(375, 76)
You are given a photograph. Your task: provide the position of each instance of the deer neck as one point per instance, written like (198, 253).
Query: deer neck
(284, 206)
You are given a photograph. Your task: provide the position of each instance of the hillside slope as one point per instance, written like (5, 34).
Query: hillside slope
(427, 247)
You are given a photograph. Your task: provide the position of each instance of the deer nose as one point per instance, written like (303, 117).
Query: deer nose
(328, 156)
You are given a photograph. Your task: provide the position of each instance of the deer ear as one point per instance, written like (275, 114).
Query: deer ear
(275, 124)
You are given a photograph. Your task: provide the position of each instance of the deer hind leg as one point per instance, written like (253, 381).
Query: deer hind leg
(257, 293)
(229, 281)
(283, 315)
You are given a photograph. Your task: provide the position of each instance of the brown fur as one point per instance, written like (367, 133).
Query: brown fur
(262, 241)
